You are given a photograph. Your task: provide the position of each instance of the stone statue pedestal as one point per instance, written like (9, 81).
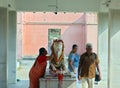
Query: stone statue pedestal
(52, 82)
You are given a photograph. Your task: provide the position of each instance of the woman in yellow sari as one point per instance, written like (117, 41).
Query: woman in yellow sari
(38, 69)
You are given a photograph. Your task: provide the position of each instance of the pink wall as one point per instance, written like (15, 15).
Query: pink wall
(92, 36)
(36, 36)
(51, 17)
(74, 35)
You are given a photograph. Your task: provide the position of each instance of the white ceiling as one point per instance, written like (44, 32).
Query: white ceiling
(63, 5)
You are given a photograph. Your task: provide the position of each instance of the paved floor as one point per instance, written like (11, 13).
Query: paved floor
(25, 84)
(24, 68)
(20, 84)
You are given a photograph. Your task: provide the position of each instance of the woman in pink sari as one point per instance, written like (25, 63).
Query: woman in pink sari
(38, 69)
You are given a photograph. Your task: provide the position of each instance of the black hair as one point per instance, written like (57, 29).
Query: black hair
(41, 51)
(74, 46)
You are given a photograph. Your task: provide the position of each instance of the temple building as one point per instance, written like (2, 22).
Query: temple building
(27, 25)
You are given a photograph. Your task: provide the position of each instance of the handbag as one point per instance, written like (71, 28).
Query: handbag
(97, 76)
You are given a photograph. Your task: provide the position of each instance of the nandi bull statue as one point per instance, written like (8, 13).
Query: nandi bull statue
(57, 62)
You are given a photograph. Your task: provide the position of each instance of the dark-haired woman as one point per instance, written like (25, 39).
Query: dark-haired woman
(38, 69)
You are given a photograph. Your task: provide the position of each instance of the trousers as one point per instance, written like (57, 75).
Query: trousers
(87, 82)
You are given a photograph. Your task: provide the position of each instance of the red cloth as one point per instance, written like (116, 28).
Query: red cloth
(37, 71)
(41, 59)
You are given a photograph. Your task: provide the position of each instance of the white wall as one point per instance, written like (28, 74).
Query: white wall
(114, 48)
(11, 51)
(10, 4)
(103, 45)
(3, 47)
(3, 3)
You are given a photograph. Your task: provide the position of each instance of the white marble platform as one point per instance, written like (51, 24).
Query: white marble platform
(53, 83)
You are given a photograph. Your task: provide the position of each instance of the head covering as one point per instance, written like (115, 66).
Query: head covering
(89, 45)
(42, 50)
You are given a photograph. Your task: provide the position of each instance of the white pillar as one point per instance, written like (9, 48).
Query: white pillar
(114, 31)
(3, 47)
(103, 45)
(12, 47)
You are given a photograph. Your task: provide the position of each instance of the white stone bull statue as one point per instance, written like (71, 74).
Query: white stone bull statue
(57, 62)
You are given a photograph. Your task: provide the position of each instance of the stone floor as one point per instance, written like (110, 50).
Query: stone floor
(20, 84)
(25, 84)
(23, 71)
